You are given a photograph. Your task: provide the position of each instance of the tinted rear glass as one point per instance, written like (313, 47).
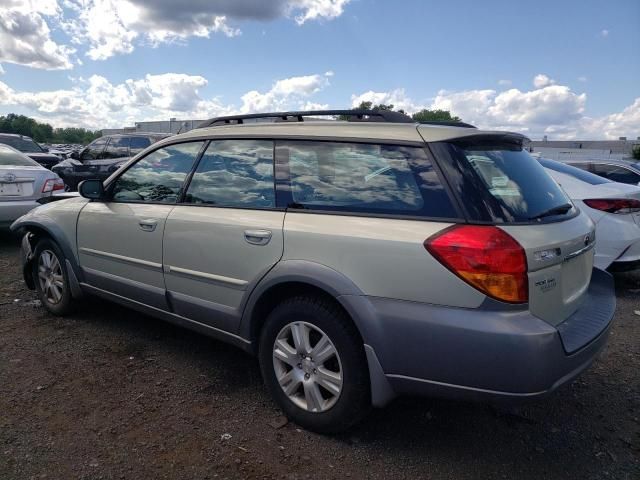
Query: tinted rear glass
(22, 144)
(587, 177)
(9, 157)
(507, 181)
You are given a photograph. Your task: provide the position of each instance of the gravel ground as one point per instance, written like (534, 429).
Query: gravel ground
(109, 393)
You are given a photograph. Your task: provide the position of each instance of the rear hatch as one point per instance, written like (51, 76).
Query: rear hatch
(498, 183)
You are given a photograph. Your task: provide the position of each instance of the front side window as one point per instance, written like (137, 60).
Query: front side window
(94, 150)
(118, 148)
(159, 176)
(364, 178)
(234, 173)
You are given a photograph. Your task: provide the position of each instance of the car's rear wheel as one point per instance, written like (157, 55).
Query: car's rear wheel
(51, 280)
(313, 362)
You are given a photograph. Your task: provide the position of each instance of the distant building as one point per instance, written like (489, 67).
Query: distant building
(584, 149)
(162, 126)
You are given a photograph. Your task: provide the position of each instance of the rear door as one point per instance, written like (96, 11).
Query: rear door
(502, 184)
(120, 240)
(226, 235)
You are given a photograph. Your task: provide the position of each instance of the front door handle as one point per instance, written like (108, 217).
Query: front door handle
(257, 237)
(148, 225)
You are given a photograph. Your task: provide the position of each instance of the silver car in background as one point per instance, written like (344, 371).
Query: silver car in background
(22, 182)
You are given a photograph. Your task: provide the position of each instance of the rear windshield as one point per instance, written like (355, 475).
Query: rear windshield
(504, 180)
(575, 172)
(9, 157)
(22, 144)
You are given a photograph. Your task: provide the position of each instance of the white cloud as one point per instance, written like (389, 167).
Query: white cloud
(604, 33)
(583, 79)
(112, 27)
(1, 70)
(504, 83)
(541, 80)
(97, 103)
(398, 98)
(25, 35)
(315, 9)
(284, 92)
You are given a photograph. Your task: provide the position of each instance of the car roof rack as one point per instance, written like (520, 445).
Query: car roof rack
(357, 115)
(448, 123)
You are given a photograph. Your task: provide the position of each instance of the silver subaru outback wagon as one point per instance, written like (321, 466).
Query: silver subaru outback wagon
(358, 260)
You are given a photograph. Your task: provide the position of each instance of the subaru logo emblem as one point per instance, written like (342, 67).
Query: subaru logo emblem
(9, 177)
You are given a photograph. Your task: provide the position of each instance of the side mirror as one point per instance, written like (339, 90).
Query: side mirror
(45, 149)
(91, 189)
(75, 155)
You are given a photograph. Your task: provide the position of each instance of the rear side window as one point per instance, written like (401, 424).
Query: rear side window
(118, 147)
(500, 182)
(571, 170)
(363, 178)
(235, 173)
(616, 174)
(137, 144)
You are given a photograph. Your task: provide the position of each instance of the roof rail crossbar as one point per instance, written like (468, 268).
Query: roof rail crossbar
(352, 116)
(448, 123)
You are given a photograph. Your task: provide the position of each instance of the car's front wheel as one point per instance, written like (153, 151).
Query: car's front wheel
(313, 362)
(51, 280)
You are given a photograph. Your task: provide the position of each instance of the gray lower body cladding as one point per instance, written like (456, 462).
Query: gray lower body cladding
(481, 353)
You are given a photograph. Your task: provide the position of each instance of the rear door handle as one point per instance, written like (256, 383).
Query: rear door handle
(148, 225)
(257, 237)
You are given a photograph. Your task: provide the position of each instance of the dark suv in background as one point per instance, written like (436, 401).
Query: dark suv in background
(103, 156)
(30, 148)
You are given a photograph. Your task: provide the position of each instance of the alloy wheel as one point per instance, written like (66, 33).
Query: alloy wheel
(50, 276)
(307, 367)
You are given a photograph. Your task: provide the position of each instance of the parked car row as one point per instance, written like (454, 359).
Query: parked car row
(358, 260)
(22, 183)
(102, 157)
(30, 148)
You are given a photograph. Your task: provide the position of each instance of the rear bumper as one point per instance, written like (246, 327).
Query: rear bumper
(11, 210)
(483, 353)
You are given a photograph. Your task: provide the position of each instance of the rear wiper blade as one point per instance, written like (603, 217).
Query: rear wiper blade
(559, 210)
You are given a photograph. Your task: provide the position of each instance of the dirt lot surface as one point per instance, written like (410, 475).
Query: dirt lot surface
(109, 393)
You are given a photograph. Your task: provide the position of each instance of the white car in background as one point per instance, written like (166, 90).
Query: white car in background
(23, 182)
(614, 208)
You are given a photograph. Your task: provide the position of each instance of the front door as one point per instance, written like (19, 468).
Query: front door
(226, 235)
(120, 240)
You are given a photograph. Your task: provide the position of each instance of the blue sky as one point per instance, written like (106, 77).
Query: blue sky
(113, 62)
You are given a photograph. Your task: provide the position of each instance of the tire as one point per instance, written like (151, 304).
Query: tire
(327, 392)
(51, 278)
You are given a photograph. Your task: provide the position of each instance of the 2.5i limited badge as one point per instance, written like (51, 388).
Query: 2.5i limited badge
(546, 285)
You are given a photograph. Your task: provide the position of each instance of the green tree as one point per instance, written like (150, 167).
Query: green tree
(43, 132)
(424, 115)
(635, 153)
(427, 115)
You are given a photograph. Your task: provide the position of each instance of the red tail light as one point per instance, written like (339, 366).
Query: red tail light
(614, 205)
(52, 185)
(487, 258)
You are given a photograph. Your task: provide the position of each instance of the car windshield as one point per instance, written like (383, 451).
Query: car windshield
(23, 144)
(575, 172)
(519, 189)
(9, 157)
